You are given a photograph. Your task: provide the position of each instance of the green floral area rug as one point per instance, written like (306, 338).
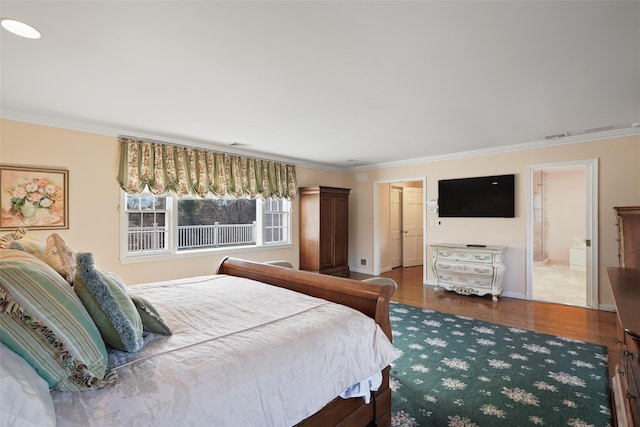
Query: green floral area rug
(457, 371)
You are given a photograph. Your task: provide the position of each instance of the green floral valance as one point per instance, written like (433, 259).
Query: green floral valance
(165, 168)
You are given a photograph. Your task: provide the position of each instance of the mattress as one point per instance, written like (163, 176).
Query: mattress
(242, 353)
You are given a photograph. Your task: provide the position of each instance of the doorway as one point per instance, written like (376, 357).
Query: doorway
(399, 224)
(561, 229)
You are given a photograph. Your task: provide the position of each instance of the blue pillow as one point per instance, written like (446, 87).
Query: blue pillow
(109, 305)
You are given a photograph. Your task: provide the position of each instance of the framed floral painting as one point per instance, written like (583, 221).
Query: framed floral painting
(34, 197)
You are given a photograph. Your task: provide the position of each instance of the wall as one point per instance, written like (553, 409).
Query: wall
(619, 185)
(94, 195)
(92, 161)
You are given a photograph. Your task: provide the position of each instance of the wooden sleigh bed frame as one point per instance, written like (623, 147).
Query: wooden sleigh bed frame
(370, 299)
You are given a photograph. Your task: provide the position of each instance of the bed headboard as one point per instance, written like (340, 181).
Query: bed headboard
(372, 299)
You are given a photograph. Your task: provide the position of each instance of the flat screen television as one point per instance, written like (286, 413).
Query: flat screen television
(478, 197)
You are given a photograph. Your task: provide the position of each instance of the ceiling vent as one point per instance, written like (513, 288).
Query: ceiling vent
(600, 129)
(557, 135)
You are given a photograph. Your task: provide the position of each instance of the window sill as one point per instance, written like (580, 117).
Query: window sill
(195, 253)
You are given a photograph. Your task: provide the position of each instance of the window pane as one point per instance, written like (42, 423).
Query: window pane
(148, 220)
(133, 203)
(161, 203)
(135, 219)
(216, 223)
(147, 202)
(160, 218)
(208, 212)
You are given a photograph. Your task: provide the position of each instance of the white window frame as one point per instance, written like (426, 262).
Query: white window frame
(172, 251)
(285, 216)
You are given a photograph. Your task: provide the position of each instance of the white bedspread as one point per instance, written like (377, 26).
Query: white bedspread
(243, 354)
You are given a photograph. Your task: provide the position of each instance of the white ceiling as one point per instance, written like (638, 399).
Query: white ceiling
(339, 84)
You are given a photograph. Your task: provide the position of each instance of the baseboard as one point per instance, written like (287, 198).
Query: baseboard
(607, 307)
(519, 295)
(359, 270)
(516, 295)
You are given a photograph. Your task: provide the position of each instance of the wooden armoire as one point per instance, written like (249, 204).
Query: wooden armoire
(628, 236)
(324, 230)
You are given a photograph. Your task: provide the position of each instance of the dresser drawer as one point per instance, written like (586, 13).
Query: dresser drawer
(456, 267)
(466, 256)
(630, 385)
(633, 369)
(465, 280)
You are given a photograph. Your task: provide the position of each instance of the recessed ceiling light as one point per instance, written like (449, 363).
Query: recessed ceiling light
(20, 28)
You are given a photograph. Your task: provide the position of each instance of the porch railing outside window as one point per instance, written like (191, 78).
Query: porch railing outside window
(146, 238)
(193, 236)
(211, 236)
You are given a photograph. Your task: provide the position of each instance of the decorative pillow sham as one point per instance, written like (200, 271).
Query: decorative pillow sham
(44, 322)
(151, 319)
(29, 244)
(109, 305)
(25, 400)
(9, 237)
(60, 257)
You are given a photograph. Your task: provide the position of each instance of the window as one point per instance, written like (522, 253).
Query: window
(276, 221)
(207, 223)
(169, 225)
(146, 224)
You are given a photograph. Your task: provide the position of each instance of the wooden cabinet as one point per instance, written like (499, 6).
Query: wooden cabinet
(468, 270)
(324, 230)
(629, 236)
(625, 284)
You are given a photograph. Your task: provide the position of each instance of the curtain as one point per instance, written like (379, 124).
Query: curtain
(166, 168)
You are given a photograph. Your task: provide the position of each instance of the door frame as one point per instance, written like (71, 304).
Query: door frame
(592, 203)
(376, 222)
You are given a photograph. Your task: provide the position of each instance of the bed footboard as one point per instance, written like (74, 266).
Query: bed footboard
(372, 299)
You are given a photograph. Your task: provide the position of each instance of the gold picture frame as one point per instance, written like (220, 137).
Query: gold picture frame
(33, 197)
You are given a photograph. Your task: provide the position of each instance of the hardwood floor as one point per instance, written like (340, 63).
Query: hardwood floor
(592, 326)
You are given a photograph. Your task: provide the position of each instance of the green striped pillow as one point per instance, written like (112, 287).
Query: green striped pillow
(43, 321)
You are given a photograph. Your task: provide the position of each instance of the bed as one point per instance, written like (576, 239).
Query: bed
(265, 362)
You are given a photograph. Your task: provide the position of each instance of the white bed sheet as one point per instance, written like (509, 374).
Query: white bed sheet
(243, 353)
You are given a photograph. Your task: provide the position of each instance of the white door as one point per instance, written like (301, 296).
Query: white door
(412, 230)
(395, 218)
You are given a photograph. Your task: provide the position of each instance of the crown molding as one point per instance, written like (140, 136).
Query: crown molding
(573, 139)
(99, 129)
(64, 123)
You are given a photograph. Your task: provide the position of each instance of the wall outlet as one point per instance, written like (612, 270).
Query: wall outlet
(363, 261)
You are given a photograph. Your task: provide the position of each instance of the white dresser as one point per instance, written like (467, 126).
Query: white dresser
(468, 270)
